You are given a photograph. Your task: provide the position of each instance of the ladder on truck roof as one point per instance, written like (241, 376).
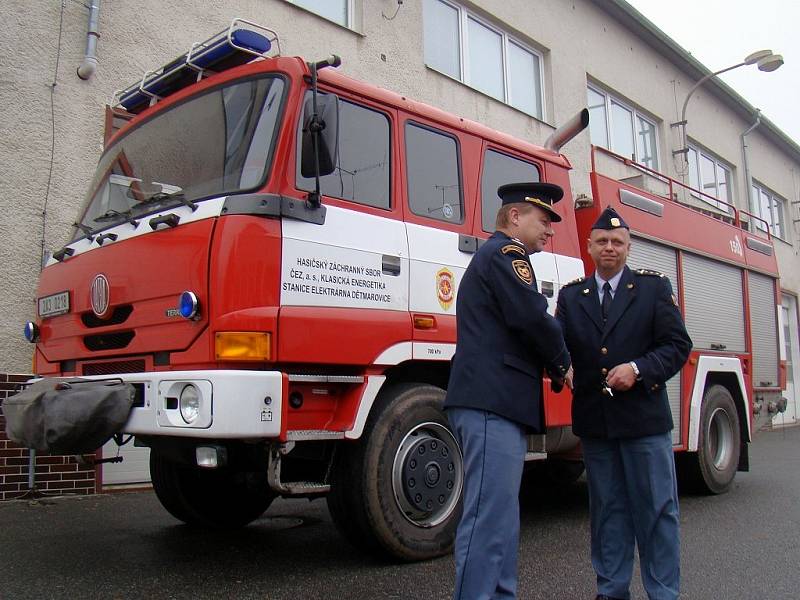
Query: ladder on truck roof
(240, 43)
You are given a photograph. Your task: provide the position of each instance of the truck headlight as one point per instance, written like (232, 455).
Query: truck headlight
(190, 403)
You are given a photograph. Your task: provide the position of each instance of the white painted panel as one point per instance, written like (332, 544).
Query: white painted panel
(341, 263)
(436, 269)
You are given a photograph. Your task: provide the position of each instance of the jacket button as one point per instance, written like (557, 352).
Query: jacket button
(604, 371)
(604, 350)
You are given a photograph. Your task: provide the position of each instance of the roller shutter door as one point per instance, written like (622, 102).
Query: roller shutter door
(764, 329)
(657, 257)
(714, 309)
(134, 468)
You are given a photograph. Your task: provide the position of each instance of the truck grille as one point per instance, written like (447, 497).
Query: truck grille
(110, 368)
(108, 341)
(120, 315)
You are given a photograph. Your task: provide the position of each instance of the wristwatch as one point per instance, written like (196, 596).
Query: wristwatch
(635, 370)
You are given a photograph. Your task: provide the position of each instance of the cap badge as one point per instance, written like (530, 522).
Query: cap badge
(614, 222)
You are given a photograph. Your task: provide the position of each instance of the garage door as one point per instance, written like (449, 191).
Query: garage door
(134, 468)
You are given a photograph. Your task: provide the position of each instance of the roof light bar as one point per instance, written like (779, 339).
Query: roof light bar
(242, 42)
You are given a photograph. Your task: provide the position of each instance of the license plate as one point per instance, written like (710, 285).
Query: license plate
(55, 304)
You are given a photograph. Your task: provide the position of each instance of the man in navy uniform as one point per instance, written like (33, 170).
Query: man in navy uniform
(505, 339)
(626, 337)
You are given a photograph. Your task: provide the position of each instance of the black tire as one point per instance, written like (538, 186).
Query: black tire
(218, 498)
(383, 497)
(712, 468)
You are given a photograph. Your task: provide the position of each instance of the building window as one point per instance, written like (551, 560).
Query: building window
(769, 207)
(621, 129)
(467, 48)
(338, 11)
(710, 176)
(362, 171)
(433, 174)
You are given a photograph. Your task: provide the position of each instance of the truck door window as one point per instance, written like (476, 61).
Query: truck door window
(362, 169)
(434, 174)
(499, 169)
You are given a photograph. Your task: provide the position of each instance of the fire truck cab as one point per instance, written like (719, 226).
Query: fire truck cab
(270, 253)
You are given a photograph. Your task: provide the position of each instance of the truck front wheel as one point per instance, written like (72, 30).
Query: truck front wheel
(219, 498)
(398, 489)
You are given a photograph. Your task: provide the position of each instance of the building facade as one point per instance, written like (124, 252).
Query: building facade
(517, 66)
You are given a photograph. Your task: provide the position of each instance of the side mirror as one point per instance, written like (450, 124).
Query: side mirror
(326, 132)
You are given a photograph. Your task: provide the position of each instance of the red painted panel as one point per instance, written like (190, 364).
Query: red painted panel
(148, 272)
(557, 407)
(344, 336)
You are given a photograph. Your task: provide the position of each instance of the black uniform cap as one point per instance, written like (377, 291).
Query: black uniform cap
(543, 195)
(609, 219)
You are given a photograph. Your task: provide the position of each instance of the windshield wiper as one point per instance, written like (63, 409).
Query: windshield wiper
(88, 231)
(111, 215)
(164, 196)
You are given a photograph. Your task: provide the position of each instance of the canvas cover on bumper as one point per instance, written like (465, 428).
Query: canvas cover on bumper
(72, 416)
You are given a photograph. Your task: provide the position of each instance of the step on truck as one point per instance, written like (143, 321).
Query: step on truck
(270, 253)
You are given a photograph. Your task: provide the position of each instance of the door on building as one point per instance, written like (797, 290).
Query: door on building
(792, 342)
(134, 468)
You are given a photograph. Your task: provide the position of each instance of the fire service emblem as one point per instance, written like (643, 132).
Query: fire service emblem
(99, 293)
(445, 287)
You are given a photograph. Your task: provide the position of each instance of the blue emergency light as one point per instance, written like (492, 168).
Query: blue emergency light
(240, 43)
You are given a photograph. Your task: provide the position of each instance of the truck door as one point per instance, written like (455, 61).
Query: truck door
(347, 279)
(438, 220)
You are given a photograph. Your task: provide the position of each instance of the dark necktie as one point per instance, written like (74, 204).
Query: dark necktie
(606, 304)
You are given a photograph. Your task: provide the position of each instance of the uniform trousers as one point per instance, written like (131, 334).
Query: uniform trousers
(633, 495)
(487, 539)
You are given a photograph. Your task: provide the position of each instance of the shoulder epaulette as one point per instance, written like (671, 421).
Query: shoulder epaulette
(575, 281)
(649, 272)
(513, 248)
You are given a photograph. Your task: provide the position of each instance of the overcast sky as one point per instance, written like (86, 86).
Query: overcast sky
(720, 33)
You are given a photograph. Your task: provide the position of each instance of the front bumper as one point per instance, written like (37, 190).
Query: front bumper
(233, 404)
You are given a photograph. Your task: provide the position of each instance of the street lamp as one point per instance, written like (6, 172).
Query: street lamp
(766, 60)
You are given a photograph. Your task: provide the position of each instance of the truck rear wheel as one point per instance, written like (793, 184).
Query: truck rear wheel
(398, 489)
(219, 498)
(711, 470)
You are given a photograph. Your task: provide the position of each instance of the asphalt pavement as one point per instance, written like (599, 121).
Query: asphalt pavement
(742, 545)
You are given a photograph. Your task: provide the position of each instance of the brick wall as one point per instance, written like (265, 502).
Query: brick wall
(55, 475)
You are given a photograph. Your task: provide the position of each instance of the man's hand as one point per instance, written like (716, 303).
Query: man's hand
(568, 377)
(621, 377)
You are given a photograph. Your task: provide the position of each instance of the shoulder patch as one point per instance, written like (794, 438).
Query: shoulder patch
(649, 272)
(523, 271)
(513, 248)
(575, 281)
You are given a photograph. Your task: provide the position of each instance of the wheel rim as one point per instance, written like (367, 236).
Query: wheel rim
(427, 475)
(720, 439)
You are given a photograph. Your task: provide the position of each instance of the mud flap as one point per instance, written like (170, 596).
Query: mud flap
(68, 416)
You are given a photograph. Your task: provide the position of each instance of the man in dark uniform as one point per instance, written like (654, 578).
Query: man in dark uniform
(626, 337)
(505, 339)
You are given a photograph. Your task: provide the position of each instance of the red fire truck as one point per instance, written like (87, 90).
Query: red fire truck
(270, 253)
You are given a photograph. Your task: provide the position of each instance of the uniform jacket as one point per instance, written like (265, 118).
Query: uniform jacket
(505, 336)
(645, 326)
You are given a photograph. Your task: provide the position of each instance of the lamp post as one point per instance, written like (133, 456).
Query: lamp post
(766, 60)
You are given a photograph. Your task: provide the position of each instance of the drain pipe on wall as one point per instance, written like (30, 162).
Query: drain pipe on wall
(748, 183)
(89, 64)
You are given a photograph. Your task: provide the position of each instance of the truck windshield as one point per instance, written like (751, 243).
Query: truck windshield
(215, 144)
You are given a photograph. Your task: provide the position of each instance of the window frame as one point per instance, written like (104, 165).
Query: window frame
(725, 205)
(506, 154)
(608, 98)
(462, 196)
(349, 8)
(774, 200)
(464, 15)
(366, 104)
